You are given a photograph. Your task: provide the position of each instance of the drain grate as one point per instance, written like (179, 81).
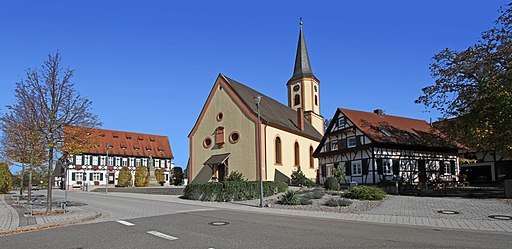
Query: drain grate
(501, 217)
(447, 212)
(218, 223)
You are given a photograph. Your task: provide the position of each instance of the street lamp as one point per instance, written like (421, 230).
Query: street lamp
(257, 101)
(106, 168)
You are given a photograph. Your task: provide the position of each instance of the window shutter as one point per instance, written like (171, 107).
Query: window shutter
(348, 168)
(73, 176)
(90, 160)
(366, 164)
(442, 170)
(396, 167)
(358, 140)
(323, 170)
(84, 176)
(452, 165)
(380, 171)
(74, 160)
(90, 176)
(101, 177)
(343, 143)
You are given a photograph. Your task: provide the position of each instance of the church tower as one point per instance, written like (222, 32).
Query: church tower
(304, 87)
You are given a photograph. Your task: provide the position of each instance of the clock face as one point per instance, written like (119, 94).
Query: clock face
(296, 88)
(316, 89)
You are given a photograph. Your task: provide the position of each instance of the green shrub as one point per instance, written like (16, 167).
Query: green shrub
(315, 194)
(160, 176)
(125, 177)
(5, 178)
(305, 201)
(231, 190)
(298, 178)
(308, 183)
(338, 202)
(290, 198)
(332, 184)
(141, 177)
(339, 173)
(366, 193)
(235, 176)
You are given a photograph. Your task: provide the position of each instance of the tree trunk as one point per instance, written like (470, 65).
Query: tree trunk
(49, 191)
(22, 175)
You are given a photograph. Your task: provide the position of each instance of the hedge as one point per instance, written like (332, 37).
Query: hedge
(232, 190)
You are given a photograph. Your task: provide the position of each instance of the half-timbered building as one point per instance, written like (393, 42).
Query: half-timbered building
(111, 151)
(370, 147)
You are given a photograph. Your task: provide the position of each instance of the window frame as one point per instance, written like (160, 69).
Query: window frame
(278, 151)
(357, 168)
(96, 176)
(387, 166)
(349, 139)
(296, 154)
(110, 161)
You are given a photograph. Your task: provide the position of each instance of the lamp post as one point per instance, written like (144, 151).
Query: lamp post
(257, 101)
(106, 169)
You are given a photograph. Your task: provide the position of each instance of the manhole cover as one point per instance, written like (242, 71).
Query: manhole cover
(218, 223)
(447, 212)
(501, 217)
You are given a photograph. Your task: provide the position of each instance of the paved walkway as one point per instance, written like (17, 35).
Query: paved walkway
(10, 217)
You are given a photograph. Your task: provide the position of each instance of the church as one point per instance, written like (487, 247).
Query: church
(226, 138)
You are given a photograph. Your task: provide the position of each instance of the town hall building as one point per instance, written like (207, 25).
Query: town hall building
(225, 137)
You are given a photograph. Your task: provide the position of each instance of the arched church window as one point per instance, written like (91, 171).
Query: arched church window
(297, 157)
(316, 100)
(296, 100)
(311, 160)
(278, 151)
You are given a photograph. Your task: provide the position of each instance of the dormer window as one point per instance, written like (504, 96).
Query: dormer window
(136, 147)
(152, 139)
(102, 135)
(140, 138)
(128, 136)
(385, 131)
(123, 146)
(115, 135)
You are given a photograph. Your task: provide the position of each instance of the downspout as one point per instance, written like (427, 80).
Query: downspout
(265, 142)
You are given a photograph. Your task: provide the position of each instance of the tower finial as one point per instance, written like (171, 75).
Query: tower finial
(301, 22)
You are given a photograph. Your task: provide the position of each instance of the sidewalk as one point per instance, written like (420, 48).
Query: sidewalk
(13, 219)
(399, 210)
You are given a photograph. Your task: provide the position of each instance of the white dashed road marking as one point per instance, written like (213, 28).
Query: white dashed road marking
(126, 223)
(161, 235)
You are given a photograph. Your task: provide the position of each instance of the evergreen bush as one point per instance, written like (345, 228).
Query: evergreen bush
(235, 176)
(332, 184)
(338, 202)
(231, 190)
(299, 179)
(160, 176)
(141, 177)
(366, 193)
(125, 177)
(5, 178)
(177, 176)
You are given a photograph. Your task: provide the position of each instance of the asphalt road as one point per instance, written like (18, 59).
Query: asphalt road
(193, 229)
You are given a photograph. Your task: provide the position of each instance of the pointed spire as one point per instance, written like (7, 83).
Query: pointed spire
(302, 67)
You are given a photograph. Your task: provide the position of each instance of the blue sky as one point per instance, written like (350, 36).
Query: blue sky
(148, 66)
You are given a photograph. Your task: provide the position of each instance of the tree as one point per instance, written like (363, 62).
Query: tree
(473, 89)
(20, 141)
(52, 102)
(160, 176)
(141, 177)
(5, 178)
(125, 177)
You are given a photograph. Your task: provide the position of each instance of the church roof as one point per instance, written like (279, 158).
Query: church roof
(302, 66)
(273, 111)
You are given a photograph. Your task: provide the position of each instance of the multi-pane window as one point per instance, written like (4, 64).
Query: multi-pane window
(137, 162)
(334, 145)
(144, 162)
(79, 160)
(118, 161)
(341, 122)
(79, 176)
(157, 163)
(447, 168)
(87, 160)
(132, 160)
(357, 168)
(387, 166)
(351, 142)
(110, 161)
(95, 160)
(96, 176)
(125, 162)
(103, 160)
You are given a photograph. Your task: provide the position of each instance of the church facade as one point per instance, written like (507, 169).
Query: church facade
(225, 136)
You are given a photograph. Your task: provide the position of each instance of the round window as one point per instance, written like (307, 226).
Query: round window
(234, 137)
(220, 116)
(207, 142)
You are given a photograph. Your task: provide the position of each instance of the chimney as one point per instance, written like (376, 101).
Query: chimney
(300, 118)
(380, 112)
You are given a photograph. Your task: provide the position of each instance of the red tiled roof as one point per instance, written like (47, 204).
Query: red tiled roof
(125, 143)
(396, 130)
